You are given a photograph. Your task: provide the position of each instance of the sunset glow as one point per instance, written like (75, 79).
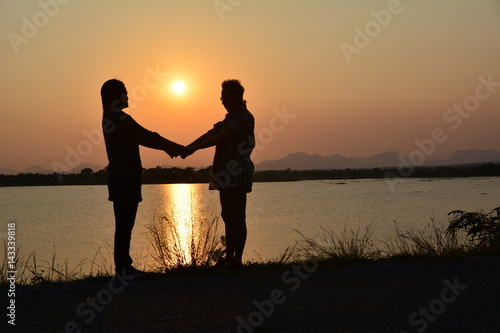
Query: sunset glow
(356, 78)
(178, 87)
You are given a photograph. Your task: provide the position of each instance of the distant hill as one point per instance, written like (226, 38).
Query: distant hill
(303, 161)
(36, 169)
(4, 171)
(41, 170)
(474, 156)
(79, 168)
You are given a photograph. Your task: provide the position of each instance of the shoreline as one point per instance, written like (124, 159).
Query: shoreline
(190, 175)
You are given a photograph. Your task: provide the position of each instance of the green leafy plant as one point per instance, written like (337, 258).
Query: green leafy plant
(482, 228)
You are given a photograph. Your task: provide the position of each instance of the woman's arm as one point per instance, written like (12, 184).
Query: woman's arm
(154, 140)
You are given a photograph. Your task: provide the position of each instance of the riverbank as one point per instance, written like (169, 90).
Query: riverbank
(191, 175)
(453, 296)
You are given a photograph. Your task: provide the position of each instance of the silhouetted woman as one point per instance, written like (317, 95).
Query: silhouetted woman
(122, 136)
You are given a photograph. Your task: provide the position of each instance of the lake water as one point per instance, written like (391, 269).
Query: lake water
(75, 221)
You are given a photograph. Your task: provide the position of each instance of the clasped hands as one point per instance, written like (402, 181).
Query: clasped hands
(182, 151)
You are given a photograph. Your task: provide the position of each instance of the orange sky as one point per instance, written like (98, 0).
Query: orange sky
(323, 77)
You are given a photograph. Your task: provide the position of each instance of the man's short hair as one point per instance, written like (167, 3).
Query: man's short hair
(233, 87)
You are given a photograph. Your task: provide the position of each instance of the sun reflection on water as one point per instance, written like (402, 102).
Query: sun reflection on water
(181, 206)
(186, 231)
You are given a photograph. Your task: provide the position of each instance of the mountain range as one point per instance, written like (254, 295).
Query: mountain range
(304, 161)
(42, 170)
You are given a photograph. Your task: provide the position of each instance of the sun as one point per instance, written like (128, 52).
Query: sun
(178, 87)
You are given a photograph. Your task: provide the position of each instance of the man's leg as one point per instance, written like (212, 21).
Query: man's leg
(125, 212)
(225, 203)
(233, 204)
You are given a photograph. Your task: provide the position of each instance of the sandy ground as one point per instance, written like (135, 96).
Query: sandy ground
(457, 296)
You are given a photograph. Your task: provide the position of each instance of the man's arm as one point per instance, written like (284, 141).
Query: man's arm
(214, 131)
(221, 137)
(207, 136)
(211, 140)
(202, 138)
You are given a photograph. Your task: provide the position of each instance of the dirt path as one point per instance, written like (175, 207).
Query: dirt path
(458, 296)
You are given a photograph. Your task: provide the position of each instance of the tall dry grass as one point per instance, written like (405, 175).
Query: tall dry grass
(350, 245)
(30, 270)
(358, 244)
(432, 242)
(196, 245)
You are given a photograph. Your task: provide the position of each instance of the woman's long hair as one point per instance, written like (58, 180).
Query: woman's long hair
(112, 93)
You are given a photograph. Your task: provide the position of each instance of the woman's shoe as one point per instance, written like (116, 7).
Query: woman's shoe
(233, 267)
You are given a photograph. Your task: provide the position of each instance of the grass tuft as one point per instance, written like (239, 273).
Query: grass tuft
(432, 242)
(195, 245)
(33, 271)
(348, 247)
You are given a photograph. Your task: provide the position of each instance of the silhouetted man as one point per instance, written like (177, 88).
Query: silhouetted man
(122, 136)
(232, 170)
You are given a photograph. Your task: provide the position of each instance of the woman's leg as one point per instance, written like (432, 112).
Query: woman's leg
(125, 212)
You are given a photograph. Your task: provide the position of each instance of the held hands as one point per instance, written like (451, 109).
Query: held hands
(182, 151)
(186, 151)
(174, 151)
